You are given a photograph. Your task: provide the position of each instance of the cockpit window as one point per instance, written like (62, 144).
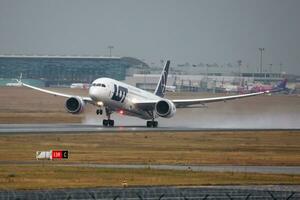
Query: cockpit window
(98, 85)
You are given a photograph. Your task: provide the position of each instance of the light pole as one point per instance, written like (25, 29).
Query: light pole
(280, 67)
(110, 48)
(261, 55)
(239, 64)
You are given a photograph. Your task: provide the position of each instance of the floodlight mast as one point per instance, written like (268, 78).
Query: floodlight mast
(261, 58)
(110, 48)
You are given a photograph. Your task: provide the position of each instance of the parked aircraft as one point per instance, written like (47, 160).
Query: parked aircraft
(110, 96)
(251, 88)
(80, 85)
(281, 85)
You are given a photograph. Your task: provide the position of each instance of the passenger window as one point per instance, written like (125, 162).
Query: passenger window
(103, 85)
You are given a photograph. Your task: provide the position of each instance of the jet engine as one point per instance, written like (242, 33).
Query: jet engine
(165, 108)
(74, 105)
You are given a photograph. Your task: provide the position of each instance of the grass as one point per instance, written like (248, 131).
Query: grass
(227, 148)
(245, 148)
(21, 105)
(48, 176)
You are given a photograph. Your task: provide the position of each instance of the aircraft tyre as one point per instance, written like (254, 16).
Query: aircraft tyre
(149, 123)
(153, 124)
(111, 123)
(108, 122)
(105, 122)
(99, 111)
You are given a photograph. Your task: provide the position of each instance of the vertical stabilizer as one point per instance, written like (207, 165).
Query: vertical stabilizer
(161, 86)
(281, 85)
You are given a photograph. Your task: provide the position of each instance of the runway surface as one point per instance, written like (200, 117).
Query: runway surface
(138, 193)
(71, 128)
(295, 170)
(202, 168)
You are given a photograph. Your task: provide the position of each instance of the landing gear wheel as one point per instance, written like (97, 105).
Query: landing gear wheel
(149, 123)
(152, 124)
(108, 122)
(111, 123)
(99, 111)
(105, 122)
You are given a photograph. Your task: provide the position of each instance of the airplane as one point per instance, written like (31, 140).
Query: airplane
(171, 88)
(250, 88)
(280, 86)
(13, 84)
(111, 96)
(80, 85)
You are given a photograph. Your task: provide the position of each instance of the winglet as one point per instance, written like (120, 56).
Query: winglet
(161, 86)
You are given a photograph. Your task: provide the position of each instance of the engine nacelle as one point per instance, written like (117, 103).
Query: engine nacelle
(74, 105)
(165, 108)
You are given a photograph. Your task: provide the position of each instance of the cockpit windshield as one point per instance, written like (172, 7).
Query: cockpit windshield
(98, 85)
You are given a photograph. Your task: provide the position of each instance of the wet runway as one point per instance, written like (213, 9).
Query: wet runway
(295, 170)
(71, 128)
(201, 168)
(138, 193)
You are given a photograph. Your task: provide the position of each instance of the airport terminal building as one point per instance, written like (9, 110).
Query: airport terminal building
(64, 70)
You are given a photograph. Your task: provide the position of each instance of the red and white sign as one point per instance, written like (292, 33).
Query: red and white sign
(60, 154)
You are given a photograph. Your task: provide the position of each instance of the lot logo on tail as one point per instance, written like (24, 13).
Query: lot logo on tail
(161, 87)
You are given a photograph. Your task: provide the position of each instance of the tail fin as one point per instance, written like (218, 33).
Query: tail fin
(20, 79)
(161, 86)
(281, 85)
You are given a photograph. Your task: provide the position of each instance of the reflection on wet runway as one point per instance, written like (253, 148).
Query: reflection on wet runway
(70, 128)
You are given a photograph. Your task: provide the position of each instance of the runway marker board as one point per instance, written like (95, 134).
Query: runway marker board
(52, 155)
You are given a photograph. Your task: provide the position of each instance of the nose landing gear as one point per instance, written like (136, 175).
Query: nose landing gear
(99, 111)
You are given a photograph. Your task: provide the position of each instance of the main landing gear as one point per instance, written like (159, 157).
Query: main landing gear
(152, 123)
(108, 121)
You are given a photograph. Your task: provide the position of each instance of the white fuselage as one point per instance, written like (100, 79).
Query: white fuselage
(120, 97)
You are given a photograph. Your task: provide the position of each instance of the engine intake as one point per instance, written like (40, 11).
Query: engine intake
(74, 105)
(165, 108)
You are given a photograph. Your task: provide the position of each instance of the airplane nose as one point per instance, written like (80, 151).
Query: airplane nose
(93, 93)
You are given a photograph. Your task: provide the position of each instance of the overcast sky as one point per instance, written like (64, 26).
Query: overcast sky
(192, 31)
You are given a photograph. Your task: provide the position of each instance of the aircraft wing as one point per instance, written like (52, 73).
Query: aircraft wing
(86, 99)
(147, 105)
(182, 103)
